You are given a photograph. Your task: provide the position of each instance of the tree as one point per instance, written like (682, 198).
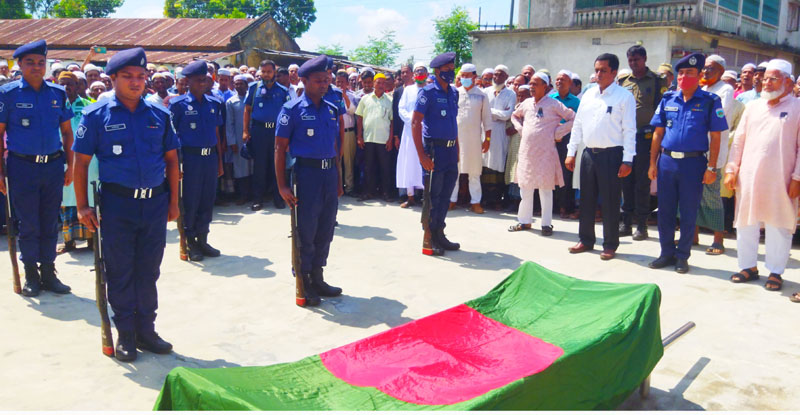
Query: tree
(295, 16)
(452, 34)
(334, 49)
(13, 9)
(86, 8)
(40, 8)
(378, 51)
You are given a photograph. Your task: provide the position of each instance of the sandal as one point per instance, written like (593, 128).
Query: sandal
(745, 275)
(795, 298)
(519, 227)
(715, 249)
(772, 284)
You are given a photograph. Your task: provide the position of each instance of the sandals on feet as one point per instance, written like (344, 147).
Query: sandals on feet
(519, 227)
(745, 275)
(774, 282)
(795, 298)
(715, 249)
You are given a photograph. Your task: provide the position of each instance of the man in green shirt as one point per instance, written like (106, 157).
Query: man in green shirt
(374, 118)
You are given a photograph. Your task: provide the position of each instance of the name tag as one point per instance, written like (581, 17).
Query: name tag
(24, 105)
(308, 117)
(115, 127)
(190, 113)
(670, 108)
(700, 110)
(442, 100)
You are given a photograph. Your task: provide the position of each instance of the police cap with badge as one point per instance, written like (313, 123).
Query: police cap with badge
(198, 67)
(443, 59)
(38, 47)
(318, 64)
(695, 60)
(127, 57)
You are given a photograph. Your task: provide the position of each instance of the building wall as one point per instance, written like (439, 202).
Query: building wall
(545, 13)
(265, 36)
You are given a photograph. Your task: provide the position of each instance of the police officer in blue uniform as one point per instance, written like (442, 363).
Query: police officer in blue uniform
(197, 117)
(309, 127)
(136, 148)
(681, 158)
(435, 133)
(263, 102)
(32, 113)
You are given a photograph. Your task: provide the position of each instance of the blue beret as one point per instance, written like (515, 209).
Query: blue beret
(695, 60)
(318, 64)
(127, 57)
(443, 59)
(198, 67)
(34, 48)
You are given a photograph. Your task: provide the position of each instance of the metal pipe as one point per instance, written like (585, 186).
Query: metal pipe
(675, 335)
(511, 16)
(529, 15)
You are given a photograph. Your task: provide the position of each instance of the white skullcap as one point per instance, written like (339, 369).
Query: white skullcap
(748, 66)
(169, 75)
(224, 72)
(501, 68)
(781, 65)
(294, 66)
(3, 63)
(157, 75)
(354, 75)
(75, 65)
(56, 66)
(97, 83)
(239, 78)
(468, 67)
(487, 70)
(421, 65)
(80, 75)
(524, 87)
(729, 74)
(89, 67)
(367, 69)
(718, 59)
(527, 66)
(104, 75)
(249, 77)
(575, 77)
(258, 72)
(762, 65)
(565, 72)
(624, 72)
(543, 76)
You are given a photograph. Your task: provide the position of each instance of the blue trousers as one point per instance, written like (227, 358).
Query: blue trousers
(199, 191)
(680, 186)
(36, 191)
(445, 176)
(262, 148)
(134, 233)
(317, 204)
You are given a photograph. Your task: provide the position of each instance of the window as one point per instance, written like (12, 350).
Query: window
(591, 4)
(730, 4)
(793, 24)
(750, 8)
(770, 12)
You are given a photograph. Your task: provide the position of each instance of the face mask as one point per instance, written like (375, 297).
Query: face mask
(420, 79)
(687, 82)
(467, 82)
(448, 76)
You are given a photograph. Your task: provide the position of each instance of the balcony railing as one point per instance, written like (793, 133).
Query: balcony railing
(727, 21)
(662, 13)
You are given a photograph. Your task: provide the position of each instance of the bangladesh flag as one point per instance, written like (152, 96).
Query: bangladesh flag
(538, 340)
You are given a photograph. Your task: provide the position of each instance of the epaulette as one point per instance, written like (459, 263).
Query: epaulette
(285, 89)
(159, 107)
(11, 86)
(293, 103)
(95, 106)
(179, 98)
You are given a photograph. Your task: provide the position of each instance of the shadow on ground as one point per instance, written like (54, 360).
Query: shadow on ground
(362, 312)
(364, 232)
(149, 370)
(232, 265)
(489, 261)
(668, 400)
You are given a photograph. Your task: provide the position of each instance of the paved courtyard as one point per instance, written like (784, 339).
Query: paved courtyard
(238, 310)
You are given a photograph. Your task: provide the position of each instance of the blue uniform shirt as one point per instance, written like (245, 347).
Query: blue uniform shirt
(687, 124)
(33, 118)
(334, 96)
(129, 146)
(440, 109)
(312, 131)
(196, 121)
(266, 102)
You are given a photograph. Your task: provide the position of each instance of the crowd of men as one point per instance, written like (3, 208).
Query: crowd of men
(718, 150)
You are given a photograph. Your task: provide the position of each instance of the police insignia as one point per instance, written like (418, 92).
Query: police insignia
(2, 106)
(260, 105)
(25, 122)
(189, 107)
(55, 102)
(423, 99)
(284, 119)
(444, 113)
(81, 131)
(692, 61)
(192, 126)
(116, 149)
(720, 113)
(669, 123)
(212, 110)
(310, 132)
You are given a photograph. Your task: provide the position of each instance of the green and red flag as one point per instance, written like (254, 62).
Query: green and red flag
(538, 340)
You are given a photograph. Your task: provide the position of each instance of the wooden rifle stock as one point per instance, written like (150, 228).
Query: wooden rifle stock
(11, 232)
(183, 251)
(100, 281)
(299, 291)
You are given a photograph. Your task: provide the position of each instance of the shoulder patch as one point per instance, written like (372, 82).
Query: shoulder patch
(284, 120)
(720, 113)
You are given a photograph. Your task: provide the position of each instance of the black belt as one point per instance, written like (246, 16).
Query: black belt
(199, 151)
(443, 143)
(47, 158)
(347, 130)
(600, 150)
(677, 155)
(144, 193)
(323, 164)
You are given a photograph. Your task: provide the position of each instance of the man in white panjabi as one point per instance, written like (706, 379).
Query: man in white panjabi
(764, 168)
(474, 116)
(409, 171)
(502, 101)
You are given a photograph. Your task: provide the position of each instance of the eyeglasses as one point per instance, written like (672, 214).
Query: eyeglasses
(707, 69)
(772, 79)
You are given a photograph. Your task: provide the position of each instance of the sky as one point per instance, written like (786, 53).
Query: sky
(349, 23)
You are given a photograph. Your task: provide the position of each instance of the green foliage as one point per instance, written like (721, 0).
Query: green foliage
(381, 51)
(295, 16)
(452, 34)
(86, 8)
(334, 49)
(13, 9)
(40, 8)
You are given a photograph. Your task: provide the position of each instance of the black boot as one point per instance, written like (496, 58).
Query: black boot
(50, 282)
(441, 240)
(33, 282)
(205, 248)
(152, 342)
(195, 253)
(312, 298)
(321, 287)
(126, 346)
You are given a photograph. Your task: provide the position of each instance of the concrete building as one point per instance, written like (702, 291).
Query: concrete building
(569, 34)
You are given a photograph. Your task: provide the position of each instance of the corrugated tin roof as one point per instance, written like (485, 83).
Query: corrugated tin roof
(154, 56)
(156, 34)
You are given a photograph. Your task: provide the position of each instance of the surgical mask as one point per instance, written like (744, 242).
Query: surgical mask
(688, 82)
(467, 82)
(448, 76)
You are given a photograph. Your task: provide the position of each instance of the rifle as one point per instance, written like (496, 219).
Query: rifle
(183, 251)
(299, 291)
(427, 247)
(100, 281)
(11, 228)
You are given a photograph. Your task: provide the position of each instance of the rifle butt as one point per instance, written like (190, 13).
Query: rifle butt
(100, 289)
(11, 231)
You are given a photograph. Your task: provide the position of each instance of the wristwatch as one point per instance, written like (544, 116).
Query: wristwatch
(711, 169)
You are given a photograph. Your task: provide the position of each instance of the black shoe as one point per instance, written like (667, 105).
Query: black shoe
(33, 282)
(640, 234)
(126, 347)
(195, 253)
(279, 204)
(364, 197)
(682, 266)
(625, 230)
(205, 248)
(321, 287)
(662, 262)
(312, 298)
(152, 342)
(547, 230)
(255, 207)
(49, 280)
(442, 241)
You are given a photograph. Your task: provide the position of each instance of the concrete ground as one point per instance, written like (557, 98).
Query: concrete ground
(238, 310)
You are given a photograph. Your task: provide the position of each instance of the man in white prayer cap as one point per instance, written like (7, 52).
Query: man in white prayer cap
(748, 70)
(502, 101)
(528, 71)
(758, 76)
(486, 77)
(729, 77)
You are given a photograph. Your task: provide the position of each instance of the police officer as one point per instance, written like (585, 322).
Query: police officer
(309, 127)
(32, 112)
(197, 117)
(684, 120)
(263, 102)
(435, 133)
(647, 88)
(136, 146)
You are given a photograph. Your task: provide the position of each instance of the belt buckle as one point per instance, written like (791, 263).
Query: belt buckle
(451, 143)
(205, 151)
(143, 193)
(677, 154)
(269, 125)
(326, 164)
(42, 159)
